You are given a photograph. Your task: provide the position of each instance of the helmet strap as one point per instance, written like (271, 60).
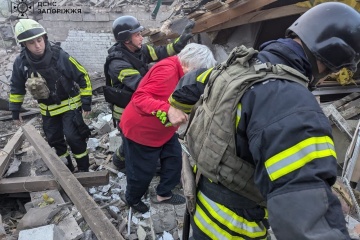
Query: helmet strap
(314, 68)
(131, 44)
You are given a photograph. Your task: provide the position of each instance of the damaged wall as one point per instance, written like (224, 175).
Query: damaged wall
(87, 36)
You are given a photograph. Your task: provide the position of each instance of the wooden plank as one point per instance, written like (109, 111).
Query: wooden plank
(345, 100)
(213, 5)
(350, 151)
(89, 179)
(208, 21)
(196, 14)
(93, 215)
(23, 114)
(333, 114)
(258, 16)
(162, 36)
(350, 112)
(67, 224)
(42, 183)
(346, 106)
(27, 184)
(12, 146)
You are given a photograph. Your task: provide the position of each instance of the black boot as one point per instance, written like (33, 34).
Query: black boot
(83, 164)
(119, 159)
(69, 164)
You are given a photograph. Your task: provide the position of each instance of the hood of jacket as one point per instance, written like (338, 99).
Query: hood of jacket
(285, 51)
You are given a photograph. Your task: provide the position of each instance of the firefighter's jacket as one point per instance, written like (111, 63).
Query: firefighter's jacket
(282, 131)
(125, 69)
(189, 89)
(67, 80)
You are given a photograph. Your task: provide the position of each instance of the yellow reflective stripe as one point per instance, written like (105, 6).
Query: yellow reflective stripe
(64, 109)
(202, 77)
(43, 112)
(65, 154)
(81, 154)
(83, 91)
(16, 98)
(176, 40)
(126, 73)
(118, 109)
(238, 115)
(298, 155)
(170, 49)
(64, 106)
(182, 106)
(195, 168)
(63, 103)
(266, 213)
(152, 53)
(226, 217)
(117, 112)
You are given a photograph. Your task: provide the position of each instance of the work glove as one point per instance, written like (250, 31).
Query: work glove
(185, 36)
(162, 116)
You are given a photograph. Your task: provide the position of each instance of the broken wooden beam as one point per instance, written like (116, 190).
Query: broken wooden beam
(213, 5)
(12, 146)
(31, 111)
(259, 16)
(93, 215)
(331, 112)
(210, 19)
(42, 183)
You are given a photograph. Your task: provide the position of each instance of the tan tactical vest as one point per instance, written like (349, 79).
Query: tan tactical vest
(211, 134)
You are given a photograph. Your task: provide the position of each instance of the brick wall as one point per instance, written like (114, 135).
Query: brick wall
(87, 35)
(90, 49)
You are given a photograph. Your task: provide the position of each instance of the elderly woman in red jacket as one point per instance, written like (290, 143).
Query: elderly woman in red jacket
(149, 125)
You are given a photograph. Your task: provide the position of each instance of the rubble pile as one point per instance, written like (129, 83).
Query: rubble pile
(21, 210)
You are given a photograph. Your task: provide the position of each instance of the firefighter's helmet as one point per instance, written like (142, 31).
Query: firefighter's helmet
(27, 29)
(124, 26)
(331, 31)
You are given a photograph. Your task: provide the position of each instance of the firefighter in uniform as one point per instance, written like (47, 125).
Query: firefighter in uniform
(283, 133)
(61, 86)
(128, 60)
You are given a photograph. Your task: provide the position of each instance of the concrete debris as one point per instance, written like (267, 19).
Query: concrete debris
(36, 217)
(49, 232)
(166, 236)
(13, 168)
(141, 233)
(21, 217)
(92, 144)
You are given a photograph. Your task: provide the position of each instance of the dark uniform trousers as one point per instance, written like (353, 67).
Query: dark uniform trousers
(55, 127)
(141, 162)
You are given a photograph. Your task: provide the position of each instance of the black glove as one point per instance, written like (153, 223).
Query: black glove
(185, 36)
(86, 107)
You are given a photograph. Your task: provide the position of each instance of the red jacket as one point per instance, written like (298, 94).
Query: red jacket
(137, 122)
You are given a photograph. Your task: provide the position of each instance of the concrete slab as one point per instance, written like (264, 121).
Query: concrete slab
(48, 232)
(68, 224)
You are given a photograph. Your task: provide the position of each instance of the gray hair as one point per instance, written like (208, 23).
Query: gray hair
(195, 56)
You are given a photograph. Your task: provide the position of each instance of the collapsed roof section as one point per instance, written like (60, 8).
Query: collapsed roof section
(266, 19)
